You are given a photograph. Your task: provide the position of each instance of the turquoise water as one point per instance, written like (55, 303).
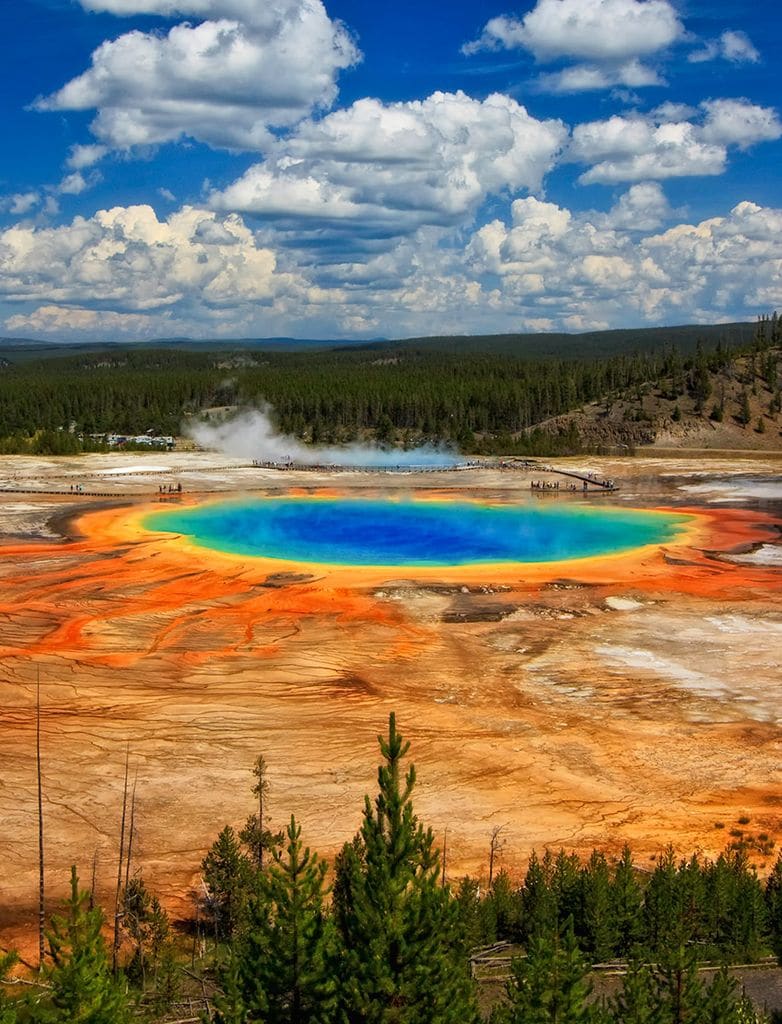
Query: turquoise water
(349, 531)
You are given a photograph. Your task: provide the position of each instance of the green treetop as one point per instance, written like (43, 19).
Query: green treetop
(403, 959)
(81, 988)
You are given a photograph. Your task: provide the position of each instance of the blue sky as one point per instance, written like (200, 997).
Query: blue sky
(225, 168)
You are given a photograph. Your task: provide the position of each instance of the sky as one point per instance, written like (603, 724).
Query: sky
(341, 169)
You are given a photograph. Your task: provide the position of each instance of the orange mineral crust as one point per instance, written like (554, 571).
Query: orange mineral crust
(632, 697)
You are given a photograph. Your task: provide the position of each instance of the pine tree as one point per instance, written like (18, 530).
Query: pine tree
(477, 917)
(229, 1004)
(722, 1003)
(774, 907)
(284, 959)
(7, 1010)
(549, 985)
(82, 989)
(678, 989)
(567, 888)
(661, 909)
(146, 924)
(403, 960)
(505, 906)
(538, 903)
(636, 1001)
(599, 924)
(256, 835)
(627, 902)
(228, 880)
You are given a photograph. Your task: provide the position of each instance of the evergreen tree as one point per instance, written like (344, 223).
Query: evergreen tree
(403, 960)
(774, 907)
(504, 907)
(477, 917)
(627, 902)
(549, 985)
(230, 1007)
(661, 910)
(283, 970)
(636, 1001)
(7, 1009)
(538, 904)
(567, 888)
(228, 880)
(599, 924)
(146, 924)
(81, 987)
(256, 835)
(722, 1003)
(744, 413)
(679, 992)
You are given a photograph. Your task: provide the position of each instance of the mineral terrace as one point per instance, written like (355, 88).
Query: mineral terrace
(636, 697)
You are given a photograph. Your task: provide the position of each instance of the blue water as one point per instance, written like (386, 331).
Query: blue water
(349, 531)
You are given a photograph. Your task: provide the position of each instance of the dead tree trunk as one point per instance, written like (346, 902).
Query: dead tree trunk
(117, 908)
(496, 844)
(41, 883)
(131, 831)
(445, 854)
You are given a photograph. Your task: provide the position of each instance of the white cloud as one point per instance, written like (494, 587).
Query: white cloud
(75, 183)
(388, 169)
(734, 46)
(81, 157)
(546, 268)
(593, 30)
(20, 203)
(127, 258)
(591, 267)
(224, 82)
(739, 123)
(589, 77)
(644, 207)
(66, 319)
(645, 147)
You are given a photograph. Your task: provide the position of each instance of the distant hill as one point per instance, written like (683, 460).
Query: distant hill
(589, 345)
(556, 345)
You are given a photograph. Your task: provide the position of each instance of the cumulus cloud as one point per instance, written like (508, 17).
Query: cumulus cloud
(127, 258)
(20, 203)
(644, 207)
(389, 169)
(739, 123)
(597, 30)
(73, 319)
(75, 183)
(734, 46)
(545, 268)
(226, 81)
(642, 147)
(591, 267)
(81, 157)
(589, 77)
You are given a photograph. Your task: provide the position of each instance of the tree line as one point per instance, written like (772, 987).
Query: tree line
(485, 401)
(389, 940)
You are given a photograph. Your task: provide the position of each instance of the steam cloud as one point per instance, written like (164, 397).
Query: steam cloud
(251, 435)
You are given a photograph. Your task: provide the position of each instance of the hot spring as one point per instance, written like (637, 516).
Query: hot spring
(374, 532)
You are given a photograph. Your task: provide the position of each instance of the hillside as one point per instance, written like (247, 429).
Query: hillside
(735, 406)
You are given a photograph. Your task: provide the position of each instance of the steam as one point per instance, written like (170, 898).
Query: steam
(251, 435)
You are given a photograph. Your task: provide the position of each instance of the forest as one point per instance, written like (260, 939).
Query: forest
(386, 936)
(486, 398)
